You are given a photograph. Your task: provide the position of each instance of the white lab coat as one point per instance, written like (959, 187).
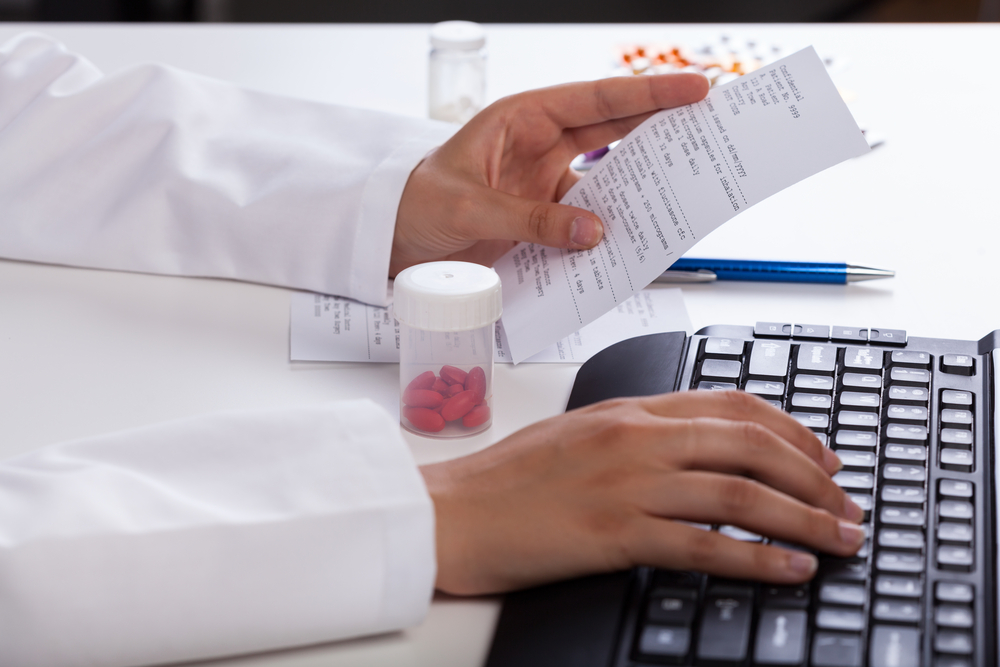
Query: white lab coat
(226, 533)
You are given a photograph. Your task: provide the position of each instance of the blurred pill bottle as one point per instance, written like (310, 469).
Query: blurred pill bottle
(447, 313)
(457, 76)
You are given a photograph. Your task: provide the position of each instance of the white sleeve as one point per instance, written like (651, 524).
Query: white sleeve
(229, 533)
(157, 170)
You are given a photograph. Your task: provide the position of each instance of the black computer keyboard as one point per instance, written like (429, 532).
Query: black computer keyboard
(912, 422)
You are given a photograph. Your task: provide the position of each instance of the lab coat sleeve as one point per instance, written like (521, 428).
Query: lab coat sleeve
(157, 170)
(229, 533)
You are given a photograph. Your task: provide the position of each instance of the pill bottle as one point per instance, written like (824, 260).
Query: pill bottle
(457, 73)
(447, 313)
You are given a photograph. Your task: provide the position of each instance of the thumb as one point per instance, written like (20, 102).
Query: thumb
(513, 218)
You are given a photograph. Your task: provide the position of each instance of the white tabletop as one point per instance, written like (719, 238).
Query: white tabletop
(84, 352)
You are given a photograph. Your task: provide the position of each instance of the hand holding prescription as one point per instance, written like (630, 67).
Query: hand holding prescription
(497, 181)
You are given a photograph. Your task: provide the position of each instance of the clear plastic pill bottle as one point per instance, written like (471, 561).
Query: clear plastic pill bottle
(457, 76)
(446, 312)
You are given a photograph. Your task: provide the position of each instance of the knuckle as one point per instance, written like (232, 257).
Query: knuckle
(703, 549)
(541, 222)
(737, 495)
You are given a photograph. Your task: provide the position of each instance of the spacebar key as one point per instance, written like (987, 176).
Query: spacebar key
(895, 646)
(769, 358)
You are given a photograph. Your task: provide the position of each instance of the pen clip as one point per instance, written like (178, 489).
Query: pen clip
(699, 276)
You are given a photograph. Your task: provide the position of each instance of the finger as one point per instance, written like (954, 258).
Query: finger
(568, 180)
(671, 545)
(741, 406)
(586, 103)
(599, 135)
(706, 497)
(747, 448)
(503, 216)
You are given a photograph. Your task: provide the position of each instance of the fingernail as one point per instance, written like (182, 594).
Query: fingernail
(831, 461)
(802, 563)
(851, 534)
(852, 511)
(585, 232)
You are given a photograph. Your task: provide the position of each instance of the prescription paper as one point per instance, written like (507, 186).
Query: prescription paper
(670, 182)
(330, 328)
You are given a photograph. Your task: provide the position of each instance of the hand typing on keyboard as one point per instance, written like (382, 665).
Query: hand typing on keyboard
(626, 482)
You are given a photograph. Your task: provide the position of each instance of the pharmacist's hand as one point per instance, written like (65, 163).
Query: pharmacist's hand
(495, 182)
(598, 489)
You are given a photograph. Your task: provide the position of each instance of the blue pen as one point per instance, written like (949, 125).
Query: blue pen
(695, 270)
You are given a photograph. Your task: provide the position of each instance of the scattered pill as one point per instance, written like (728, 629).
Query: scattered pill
(453, 375)
(477, 416)
(423, 381)
(424, 419)
(459, 406)
(422, 398)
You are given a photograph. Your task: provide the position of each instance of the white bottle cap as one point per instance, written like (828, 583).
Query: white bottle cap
(447, 296)
(462, 35)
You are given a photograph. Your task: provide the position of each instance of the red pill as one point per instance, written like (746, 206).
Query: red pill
(455, 390)
(422, 398)
(424, 419)
(439, 408)
(440, 386)
(477, 416)
(459, 406)
(423, 381)
(476, 383)
(453, 375)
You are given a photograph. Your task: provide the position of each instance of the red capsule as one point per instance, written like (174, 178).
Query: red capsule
(455, 390)
(440, 386)
(422, 398)
(453, 375)
(424, 419)
(423, 381)
(459, 406)
(477, 416)
(476, 383)
(439, 408)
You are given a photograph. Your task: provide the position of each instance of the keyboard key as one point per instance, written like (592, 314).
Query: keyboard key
(781, 637)
(911, 358)
(706, 385)
(953, 592)
(897, 611)
(956, 436)
(772, 329)
(853, 595)
(891, 645)
(852, 458)
(958, 364)
(739, 534)
(847, 479)
(665, 641)
(888, 336)
(890, 561)
(954, 558)
(845, 569)
(918, 395)
(816, 358)
(955, 509)
(955, 488)
(909, 433)
(954, 532)
(836, 650)
(721, 369)
(952, 398)
(902, 516)
(894, 538)
(834, 618)
(853, 334)
(863, 501)
(953, 642)
(956, 417)
(953, 616)
(811, 401)
(959, 460)
(862, 380)
(856, 438)
(856, 399)
(897, 586)
(763, 388)
(895, 472)
(813, 383)
(906, 452)
(951, 661)
(786, 597)
(857, 419)
(672, 606)
(769, 359)
(914, 376)
(904, 495)
(723, 348)
(867, 358)
(812, 332)
(907, 413)
(725, 624)
(812, 420)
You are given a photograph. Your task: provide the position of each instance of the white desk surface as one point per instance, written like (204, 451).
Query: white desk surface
(84, 352)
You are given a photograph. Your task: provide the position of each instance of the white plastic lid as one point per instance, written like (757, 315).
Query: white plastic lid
(464, 35)
(447, 296)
